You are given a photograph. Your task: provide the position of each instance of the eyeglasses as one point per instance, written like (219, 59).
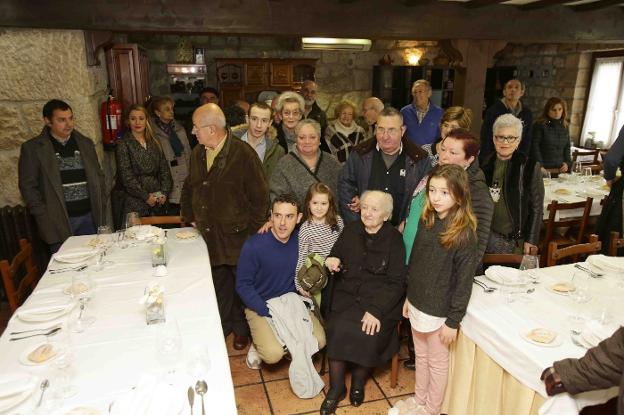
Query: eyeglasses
(390, 131)
(510, 139)
(295, 113)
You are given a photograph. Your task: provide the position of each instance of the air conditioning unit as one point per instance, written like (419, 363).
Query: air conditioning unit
(333, 43)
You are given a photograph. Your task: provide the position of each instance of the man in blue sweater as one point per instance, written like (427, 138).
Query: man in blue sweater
(266, 269)
(422, 117)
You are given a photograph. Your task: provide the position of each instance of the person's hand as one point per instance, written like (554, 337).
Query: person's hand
(447, 335)
(544, 171)
(405, 309)
(162, 199)
(401, 227)
(266, 227)
(370, 324)
(151, 200)
(527, 248)
(354, 206)
(333, 264)
(304, 293)
(563, 168)
(609, 183)
(194, 224)
(552, 382)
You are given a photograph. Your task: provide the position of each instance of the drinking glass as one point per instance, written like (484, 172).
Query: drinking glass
(168, 344)
(132, 219)
(82, 291)
(579, 295)
(577, 169)
(105, 240)
(546, 175)
(63, 365)
(528, 263)
(587, 173)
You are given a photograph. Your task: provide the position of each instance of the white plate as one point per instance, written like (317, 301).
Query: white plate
(492, 274)
(23, 358)
(43, 316)
(552, 290)
(12, 399)
(74, 255)
(558, 341)
(190, 236)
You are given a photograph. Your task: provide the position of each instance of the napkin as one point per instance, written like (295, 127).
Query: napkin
(606, 263)
(152, 396)
(12, 384)
(143, 232)
(26, 311)
(505, 275)
(593, 332)
(562, 404)
(74, 255)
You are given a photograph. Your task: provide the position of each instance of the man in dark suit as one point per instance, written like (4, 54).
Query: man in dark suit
(60, 178)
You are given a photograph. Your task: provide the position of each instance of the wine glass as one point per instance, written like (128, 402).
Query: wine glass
(62, 363)
(82, 291)
(105, 240)
(528, 263)
(132, 219)
(580, 295)
(168, 345)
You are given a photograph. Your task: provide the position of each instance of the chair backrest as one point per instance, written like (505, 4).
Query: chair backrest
(554, 254)
(20, 276)
(615, 243)
(577, 222)
(163, 220)
(505, 259)
(582, 153)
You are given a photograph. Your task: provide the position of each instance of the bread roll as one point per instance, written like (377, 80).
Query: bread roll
(42, 353)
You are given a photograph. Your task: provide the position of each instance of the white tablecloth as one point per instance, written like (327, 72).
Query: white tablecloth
(119, 349)
(575, 192)
(496, 326)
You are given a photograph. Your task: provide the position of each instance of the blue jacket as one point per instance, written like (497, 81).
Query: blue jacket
(428, 130)
(353, 180)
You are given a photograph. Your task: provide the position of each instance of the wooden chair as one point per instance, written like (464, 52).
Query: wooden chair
(505, 259)
(554, 254)
(595, 164)
(577, 224)
(615, 243)
(163, 220)
(21, 272)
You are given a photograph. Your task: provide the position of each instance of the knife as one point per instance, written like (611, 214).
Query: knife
(191, 398)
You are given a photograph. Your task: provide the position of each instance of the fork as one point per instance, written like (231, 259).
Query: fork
(486, 288)
(59, 270)
(588, 271)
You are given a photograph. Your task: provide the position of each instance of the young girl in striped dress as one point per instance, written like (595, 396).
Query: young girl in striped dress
(439, 280)
(320, 228)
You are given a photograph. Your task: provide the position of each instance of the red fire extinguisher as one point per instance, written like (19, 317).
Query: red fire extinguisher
(111, 119)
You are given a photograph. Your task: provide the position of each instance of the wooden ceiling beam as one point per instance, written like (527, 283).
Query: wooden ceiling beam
(475, 4)
(596, 5)
(540, 4)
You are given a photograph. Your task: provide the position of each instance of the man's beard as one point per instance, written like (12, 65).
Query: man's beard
(308, 102)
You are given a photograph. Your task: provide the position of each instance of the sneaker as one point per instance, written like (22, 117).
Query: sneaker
(253, 359)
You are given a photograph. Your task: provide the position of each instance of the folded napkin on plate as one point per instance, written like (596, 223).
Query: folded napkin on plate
(12, 384)
(505, 275)
(606, 263)
(74, 255)
(26, 310)
(593, 332)
(151, 397)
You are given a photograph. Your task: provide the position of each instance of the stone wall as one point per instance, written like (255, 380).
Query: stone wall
(562, 70)
(340, 75)
(38, 65)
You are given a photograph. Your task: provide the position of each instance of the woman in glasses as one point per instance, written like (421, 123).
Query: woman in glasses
(516, 188)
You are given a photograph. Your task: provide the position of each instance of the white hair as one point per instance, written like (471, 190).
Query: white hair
(290, 96)
(387, 204)
(508, 121)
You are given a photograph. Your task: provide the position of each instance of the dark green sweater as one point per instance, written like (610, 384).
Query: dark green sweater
(439, 281)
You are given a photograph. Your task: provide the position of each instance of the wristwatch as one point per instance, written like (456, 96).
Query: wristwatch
(552, 381)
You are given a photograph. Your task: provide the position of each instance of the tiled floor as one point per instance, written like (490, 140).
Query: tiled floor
(267, 391)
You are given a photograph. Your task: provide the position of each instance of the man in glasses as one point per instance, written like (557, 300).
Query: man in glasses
(226, 197)
(390, 163)
(509, 104)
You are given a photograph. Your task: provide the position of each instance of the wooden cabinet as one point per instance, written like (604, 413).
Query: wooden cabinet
(128, 74)
(244, 79)
(393, 84)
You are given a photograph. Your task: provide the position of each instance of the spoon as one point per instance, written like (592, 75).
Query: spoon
(201, 387)
(47, 333)
(44, 386)
(486, 289)
(191, 398)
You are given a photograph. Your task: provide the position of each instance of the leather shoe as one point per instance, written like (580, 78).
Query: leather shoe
(409, 364)
(356, 396)
(329, 406)
(240, 342)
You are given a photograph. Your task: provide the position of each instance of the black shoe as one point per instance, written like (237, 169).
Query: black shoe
(356, 396)
(409, 364)
(329, 406)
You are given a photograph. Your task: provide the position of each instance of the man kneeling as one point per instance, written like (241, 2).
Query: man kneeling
(277, 317)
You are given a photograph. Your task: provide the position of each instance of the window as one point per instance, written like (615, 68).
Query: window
(605, 108)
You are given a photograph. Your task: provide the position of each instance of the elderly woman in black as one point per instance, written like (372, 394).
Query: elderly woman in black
(367, 298)
(517, 189)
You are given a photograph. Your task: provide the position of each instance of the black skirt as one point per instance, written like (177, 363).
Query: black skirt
(346, 341)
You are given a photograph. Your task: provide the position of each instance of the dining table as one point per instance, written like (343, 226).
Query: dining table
(569, 188)
(495, 366)
(116, 362)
